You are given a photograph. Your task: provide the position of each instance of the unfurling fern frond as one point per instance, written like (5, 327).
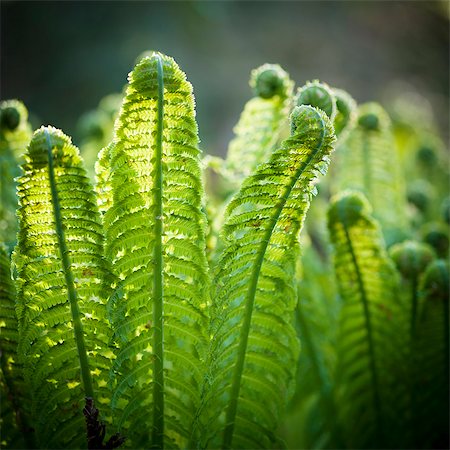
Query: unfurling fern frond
(12, 421)
(156, 242)
(64, 336)
(368, 162)
(254, 347)
(373, 332)
(431, 374)
(15, 133)
(262, 121)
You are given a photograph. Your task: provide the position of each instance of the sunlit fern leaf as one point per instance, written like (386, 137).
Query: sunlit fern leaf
(368, 162)
(15, 133)
(262, 121)
(373, 331)
(103, 187)
(61, 289)
(431, 348)
(156, 242)
(255, 348)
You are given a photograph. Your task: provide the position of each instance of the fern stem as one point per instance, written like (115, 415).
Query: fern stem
(250, 299)
(373, 369)
(68, 275)
(158, 320)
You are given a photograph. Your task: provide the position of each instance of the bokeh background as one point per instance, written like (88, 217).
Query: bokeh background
(62, 57)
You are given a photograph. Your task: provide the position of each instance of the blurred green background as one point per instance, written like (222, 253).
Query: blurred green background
(61, 58)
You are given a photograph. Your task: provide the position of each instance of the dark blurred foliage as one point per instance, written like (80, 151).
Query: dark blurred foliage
(62, 57)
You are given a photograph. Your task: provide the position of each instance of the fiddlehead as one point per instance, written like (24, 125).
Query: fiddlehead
(254, 348)
(319, 95)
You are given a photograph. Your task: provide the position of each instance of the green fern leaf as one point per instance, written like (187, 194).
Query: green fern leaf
(373, 327)
(15, 133)
(156, 242)
(431, 347)
(12, 421)
(262, 121)
(255, 348)
(368, 162)
(61, 277)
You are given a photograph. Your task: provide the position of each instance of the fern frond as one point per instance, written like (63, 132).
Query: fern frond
(368, 162)
(15, 133)
(431, 374)
(255, 348)
(61, 276)
(262, 121)
(156, 242)
(373, 331)
(11, 421)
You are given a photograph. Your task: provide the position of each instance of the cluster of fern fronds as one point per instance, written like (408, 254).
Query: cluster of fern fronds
(161, 300)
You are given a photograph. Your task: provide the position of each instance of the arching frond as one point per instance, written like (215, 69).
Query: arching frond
(61, 275)
(368, 162)
(254, 347)
(372, 341)
(156, 243)
(431, 358)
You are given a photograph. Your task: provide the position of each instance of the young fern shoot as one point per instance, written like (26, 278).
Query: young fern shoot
(254, 347)
(155, 231)
(372, 327)
(262, 121)
(368, 162)
(63, 333)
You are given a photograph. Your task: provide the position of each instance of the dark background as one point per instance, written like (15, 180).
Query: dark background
(62, 57)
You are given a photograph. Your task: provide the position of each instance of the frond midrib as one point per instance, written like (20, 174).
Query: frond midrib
(158, 334)
(68, 275)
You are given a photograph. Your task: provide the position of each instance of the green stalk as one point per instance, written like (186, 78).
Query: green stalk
(250, 301)
(68, 275)
(373, 369)
(158, 319)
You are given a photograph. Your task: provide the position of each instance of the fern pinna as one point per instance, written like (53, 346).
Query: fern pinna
(155, 233)
(254, 347)
(373, 327)
(63, 332)
(262, 121)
